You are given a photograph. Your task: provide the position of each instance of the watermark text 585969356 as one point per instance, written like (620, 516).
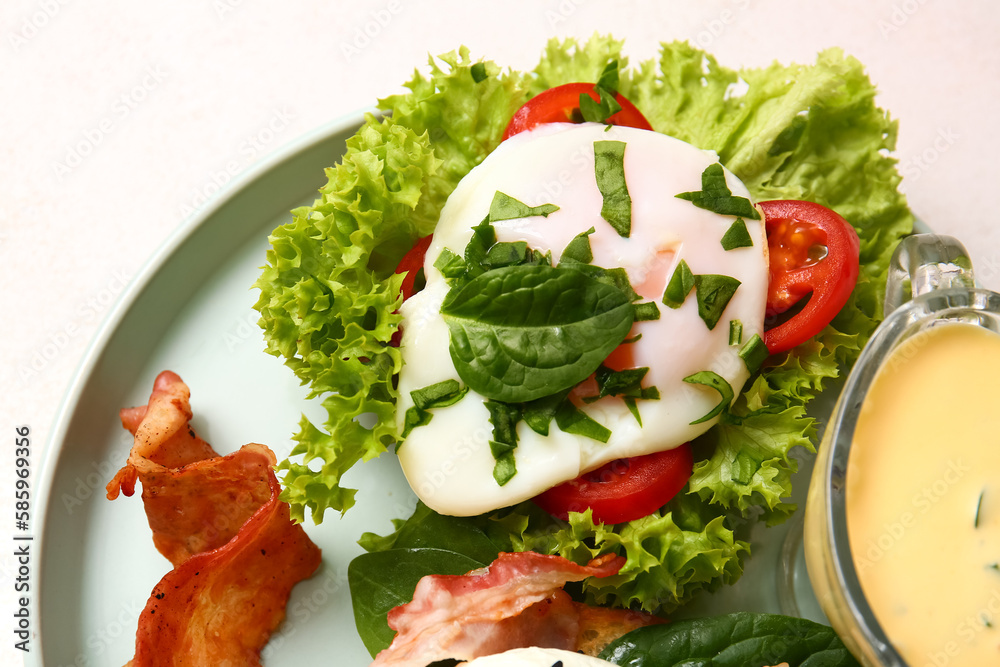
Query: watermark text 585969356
(22, 539)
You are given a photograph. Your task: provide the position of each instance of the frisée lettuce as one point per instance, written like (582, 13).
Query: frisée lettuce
(328, 294)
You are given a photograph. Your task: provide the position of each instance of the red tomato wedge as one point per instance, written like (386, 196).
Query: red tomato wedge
(562, 104)
(411, 264)
(624, 489)
(813, 251)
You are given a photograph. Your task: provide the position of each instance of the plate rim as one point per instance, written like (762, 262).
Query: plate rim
(69, 403)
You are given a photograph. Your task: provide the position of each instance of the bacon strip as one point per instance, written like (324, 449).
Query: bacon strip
(516, 602)
(236, 553)
(221, 606)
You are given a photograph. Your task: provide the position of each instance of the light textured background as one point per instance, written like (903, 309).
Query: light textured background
(120, 118)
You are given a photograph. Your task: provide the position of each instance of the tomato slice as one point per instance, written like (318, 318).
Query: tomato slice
(562, 104)
(411, 264)
(813, 251)
(622, 490)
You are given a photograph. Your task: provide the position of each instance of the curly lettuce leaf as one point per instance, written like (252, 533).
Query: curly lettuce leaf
(328, 298)
(789, 132)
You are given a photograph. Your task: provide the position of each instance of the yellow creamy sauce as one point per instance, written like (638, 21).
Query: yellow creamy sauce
(924, 464)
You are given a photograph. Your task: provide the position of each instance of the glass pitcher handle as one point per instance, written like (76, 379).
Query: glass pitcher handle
(926, 262)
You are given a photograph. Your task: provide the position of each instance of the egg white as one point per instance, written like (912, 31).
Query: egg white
(537, 657)
(448, 462)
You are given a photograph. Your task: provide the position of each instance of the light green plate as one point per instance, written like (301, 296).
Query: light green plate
(190, 312)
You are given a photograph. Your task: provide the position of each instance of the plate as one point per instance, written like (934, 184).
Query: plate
(190, 311)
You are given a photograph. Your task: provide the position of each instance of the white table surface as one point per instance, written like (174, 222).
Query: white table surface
(118, 118)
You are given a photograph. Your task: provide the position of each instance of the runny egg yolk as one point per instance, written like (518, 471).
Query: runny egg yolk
(448, 462)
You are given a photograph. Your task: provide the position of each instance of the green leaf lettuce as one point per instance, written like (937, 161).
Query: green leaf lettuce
(328, 296)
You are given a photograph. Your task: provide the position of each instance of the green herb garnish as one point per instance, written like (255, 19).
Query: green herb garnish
(578, 250)
(716, 382)
(609, 169)
(450, 265)
(716, 196)
(505, 207)
(504, 418)
(714, 293)
(607, 89)
(735, 332)
(571, 419)
(522, 332)
(737, 236)
(680, 285)
(979, 507)
(645, 311)
(438, 395)
(753, 353)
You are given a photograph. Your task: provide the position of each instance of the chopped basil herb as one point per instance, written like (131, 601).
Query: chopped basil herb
(505, 207)
(719, 384)
(571, 419)
(439, 395)
(450, 265)
(606, 88)
(617, 383)
(609, 77)
(716, 196)
(735, 332)
(994, 566)
(714, 293)
(483, 238)
(413, 418)
(609, 169)
(646, 311)
(680, 285)
(505, 468)
(753, 353)
(478, 71)
(979, 507)
(504, 418)
(539, 413)
(599, 112)
(507, 254)
(578, 250)
(627, 384)
(737, 236)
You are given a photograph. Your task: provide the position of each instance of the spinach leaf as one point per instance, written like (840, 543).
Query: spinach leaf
(523, 332)
(735, 640)
(426, 543)
(426, 529)
(382, 580)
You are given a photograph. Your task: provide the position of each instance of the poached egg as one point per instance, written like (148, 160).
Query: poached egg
(448, 462)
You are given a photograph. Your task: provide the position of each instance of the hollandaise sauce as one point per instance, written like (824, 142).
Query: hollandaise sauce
(923, 497)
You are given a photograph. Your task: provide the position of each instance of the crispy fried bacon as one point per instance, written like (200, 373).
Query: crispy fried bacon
(236, 553)
(221, 606)
(517, 601)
